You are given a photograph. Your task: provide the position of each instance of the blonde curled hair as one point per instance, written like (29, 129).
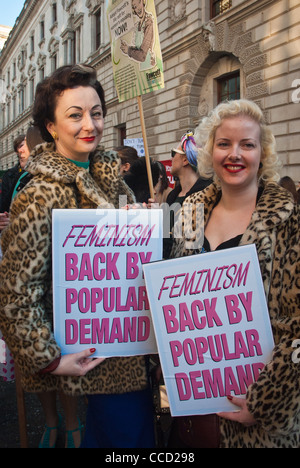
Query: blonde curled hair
(206, 131)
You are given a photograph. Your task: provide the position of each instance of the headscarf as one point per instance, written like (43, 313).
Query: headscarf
(189, 146)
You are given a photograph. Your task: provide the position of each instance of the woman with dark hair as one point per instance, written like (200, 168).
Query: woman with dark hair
(137, 179)
(128, 156)
(69, 172)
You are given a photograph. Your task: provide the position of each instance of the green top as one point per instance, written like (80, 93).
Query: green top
(85, 165)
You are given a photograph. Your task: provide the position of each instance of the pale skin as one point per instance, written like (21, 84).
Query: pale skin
(236, 157)
(77, 130)
(79, 124)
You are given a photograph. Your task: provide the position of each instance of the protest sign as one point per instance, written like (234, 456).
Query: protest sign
(99, 293)
(136, 56)
(136, 143)
(212, 327)
(135, 48)
(168, 166)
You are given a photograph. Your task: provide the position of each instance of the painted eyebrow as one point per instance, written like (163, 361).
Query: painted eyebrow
(80, 108)
(229, 139)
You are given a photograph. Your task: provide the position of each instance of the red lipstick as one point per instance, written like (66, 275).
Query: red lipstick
(234, 168)
(88, 139)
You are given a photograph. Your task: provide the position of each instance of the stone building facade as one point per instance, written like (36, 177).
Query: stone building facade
(212, 50)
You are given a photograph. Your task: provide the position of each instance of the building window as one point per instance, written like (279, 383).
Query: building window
(31, 90)
(42, 30)
(31, 42)
(229, 87)
(54, 13)
(14, 70)
(42, 73)
(53, 63)
(98, 29)
(8, 113)
(121, 134)
(217, 7)
(14, 108)
(21, 100)
(77, 46)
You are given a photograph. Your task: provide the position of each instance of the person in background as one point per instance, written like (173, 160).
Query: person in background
(69, 171)
(128, 156)
(11, 177)
(32, 139)
(162, 189)
(184, 169)
(245, 205)
(137, 179)
(288, 183)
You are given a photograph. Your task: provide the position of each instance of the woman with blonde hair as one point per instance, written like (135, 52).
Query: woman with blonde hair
(245, 205)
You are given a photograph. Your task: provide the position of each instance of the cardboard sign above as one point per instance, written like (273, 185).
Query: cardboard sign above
(100, 298)
(135, 48)
(212, 327)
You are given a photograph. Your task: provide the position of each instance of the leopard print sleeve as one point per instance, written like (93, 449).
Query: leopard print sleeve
(25, 282)
(274, 399)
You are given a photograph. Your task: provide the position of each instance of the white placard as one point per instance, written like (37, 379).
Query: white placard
(100, 298)
(212, 327)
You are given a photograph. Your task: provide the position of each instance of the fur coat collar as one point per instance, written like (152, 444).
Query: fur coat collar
(101, 184)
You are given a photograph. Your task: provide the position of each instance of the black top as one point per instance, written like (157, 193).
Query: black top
(9, 180)
(234, 241)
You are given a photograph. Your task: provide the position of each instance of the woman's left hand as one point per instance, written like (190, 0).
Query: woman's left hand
(77, 364)
(243, 416)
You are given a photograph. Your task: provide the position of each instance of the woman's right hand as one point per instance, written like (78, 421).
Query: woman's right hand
(77, 364)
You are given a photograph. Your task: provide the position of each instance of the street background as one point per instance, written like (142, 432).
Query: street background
(9, 424)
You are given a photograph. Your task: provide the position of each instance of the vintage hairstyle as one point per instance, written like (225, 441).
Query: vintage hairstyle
(133, 9)
(47, 91)
(206, 131)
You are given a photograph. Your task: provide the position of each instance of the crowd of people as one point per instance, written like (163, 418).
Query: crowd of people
(230, 165)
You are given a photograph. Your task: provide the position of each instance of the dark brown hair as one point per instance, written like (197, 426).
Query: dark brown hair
(18, 141)
(127, 154)
(288, 183)
(47, 91)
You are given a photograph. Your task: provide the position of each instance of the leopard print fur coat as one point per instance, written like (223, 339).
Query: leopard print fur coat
(274, 400)
(26, 272)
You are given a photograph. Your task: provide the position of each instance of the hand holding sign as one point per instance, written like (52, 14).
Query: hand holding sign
(77, 364)
(243, 416)
(100, 297)
(212, 327)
